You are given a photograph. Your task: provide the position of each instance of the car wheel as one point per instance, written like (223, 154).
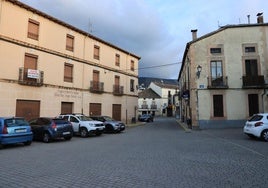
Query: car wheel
(83, 132)
(46, 137)
(98, 134)
(264, 135)
(27, 143)
(68, 138)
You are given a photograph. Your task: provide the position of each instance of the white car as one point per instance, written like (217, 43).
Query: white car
(84, 125)
(257, 126)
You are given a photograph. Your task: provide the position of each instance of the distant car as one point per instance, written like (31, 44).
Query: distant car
(110, 124)
(15, 130)
(257, 126)
(146, 118)
(83, 125)
(48, 129)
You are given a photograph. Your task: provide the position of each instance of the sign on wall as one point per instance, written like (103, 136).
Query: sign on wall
(33, 74)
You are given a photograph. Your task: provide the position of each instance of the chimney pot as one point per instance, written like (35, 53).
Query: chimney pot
(194, 34)
(260, 18)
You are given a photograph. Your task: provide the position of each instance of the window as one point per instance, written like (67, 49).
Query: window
(69, 42)
(117, 60)
(251, 67)
(117, 80)
(218, 105)
(30, 63)
(216, 72)
(132, 65)
(68, 72)
(132, 85)
(215, 50)
(250, 49)
(96, 52)
(33, 29)
(96, 78)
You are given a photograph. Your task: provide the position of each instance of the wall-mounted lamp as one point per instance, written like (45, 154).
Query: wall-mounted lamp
(199, 69)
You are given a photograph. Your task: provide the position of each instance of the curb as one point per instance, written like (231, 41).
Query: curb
(186, 129)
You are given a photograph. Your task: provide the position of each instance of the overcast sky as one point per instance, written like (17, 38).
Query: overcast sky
(155, 30)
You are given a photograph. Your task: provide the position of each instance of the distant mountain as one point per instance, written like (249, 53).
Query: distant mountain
(147, 80)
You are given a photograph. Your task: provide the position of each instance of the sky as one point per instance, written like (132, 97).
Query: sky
(155, 30)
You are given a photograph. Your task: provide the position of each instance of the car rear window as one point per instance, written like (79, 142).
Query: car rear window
(256, 118)
(60, 121)
(15, 122)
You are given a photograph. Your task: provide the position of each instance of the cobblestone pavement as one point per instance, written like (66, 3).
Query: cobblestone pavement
(159, 154)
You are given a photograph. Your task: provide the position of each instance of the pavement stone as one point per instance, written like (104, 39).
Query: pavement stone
(155, 155)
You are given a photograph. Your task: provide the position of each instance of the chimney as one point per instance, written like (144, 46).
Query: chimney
(194, 34)
(248, 19)
(260, 18)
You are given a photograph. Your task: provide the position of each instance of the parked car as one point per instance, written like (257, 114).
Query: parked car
(47, 129)
(110, 124)
(83, 125)
(146, 118)
(257, 126)
(15, 130)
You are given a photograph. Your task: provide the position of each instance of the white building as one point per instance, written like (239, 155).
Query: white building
(159, 99)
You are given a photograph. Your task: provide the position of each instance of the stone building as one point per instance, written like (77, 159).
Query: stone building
(50, 67)
(224, 74)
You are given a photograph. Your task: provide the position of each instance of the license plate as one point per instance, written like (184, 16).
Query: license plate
(20, 130)
(64, 133)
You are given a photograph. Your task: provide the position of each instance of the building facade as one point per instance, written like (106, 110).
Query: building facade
(162, 99)
(50, 67)
(224, 74)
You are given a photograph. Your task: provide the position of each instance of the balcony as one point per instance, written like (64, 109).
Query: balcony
(96, 87)
(144, 106)
(218, 83)
(253, 81)
(153, 106)
(118, 90)
(30, 77)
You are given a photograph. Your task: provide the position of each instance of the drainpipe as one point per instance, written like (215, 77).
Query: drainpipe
(262, 96)
(197, 109)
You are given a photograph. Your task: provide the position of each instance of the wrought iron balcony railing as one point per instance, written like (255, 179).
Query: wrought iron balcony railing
(218, 82)
(253, 81)
(118, 90)
(96, 87)
(30, 77)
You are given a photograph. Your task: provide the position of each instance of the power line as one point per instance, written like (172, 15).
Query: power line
(157, 66)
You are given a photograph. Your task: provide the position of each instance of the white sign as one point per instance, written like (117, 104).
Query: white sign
(33, 74)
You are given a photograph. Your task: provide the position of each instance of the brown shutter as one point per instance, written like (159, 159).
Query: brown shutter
(70, 42)
(68, 72)
(33, 29)
(30, 61)
(96, 52)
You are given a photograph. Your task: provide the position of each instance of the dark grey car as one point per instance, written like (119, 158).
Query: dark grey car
(110, 124)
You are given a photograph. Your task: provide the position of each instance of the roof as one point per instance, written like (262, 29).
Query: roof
(213, 33)
(149, 94)
(27, 7)
(167, 86)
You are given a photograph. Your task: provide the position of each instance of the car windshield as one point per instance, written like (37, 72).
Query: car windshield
(84, 118)
(256, 118)
(15, 122)
(107, 118)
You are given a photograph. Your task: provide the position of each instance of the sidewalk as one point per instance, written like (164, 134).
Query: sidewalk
(184, 126)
